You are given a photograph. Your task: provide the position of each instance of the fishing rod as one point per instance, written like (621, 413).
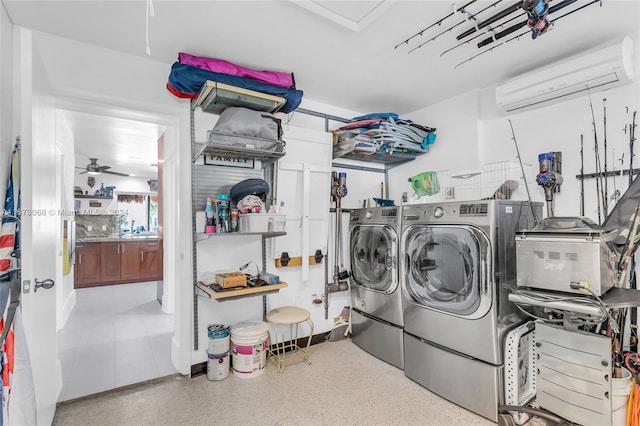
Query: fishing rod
(597, 154)
(516, 27)
(632, 139)
(522, 33)
(633, 320)
(524, 177)
(488, 30)
(505, 12)
(581, 175)
(606, 179)
(524, 23)
(469, 17)
(439, 22)
(616, 194)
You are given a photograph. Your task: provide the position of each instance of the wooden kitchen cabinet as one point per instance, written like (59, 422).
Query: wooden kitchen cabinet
(120, 261)
(130, 261)
(150, 260)
(117, 262)
(110, 261)
(87, 267)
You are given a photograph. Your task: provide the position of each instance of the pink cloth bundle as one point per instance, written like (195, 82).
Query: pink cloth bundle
(275, 78)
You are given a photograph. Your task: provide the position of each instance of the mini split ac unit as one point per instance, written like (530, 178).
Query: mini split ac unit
(598, 69)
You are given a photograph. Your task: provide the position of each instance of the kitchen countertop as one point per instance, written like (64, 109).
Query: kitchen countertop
(115, 239)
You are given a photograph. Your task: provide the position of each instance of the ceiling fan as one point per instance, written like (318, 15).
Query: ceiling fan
(93, 168)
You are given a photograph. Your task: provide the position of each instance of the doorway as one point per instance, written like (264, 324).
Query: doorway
(114, 335)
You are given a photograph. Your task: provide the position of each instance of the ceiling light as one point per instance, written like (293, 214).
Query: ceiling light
(93, 173)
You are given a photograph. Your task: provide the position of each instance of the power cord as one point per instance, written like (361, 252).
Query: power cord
(539, 299)
(582, 287)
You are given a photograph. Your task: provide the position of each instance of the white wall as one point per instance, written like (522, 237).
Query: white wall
(6, 98)
(559, 128)
(455, 148)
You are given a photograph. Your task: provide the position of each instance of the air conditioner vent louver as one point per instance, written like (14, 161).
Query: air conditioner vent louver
(599, 69)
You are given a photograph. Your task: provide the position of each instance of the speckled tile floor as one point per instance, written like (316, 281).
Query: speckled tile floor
(343, 386)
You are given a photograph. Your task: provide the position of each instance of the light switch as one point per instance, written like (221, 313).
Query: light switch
(104, 227)
(89, 228)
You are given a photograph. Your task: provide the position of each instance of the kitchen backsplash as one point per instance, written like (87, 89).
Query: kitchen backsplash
(95, 225)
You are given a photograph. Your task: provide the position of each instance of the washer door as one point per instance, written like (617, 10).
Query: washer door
(447, 269)
(373, 257)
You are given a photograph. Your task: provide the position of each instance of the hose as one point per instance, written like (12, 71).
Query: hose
(534, 412)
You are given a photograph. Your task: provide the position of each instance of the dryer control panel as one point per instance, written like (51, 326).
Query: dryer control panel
(480, 209)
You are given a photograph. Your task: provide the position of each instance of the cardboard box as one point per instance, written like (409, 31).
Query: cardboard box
(269, 278)
(231, 279)
(262, 222)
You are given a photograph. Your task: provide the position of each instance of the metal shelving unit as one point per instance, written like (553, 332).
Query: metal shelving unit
(225, 145)
(389, 160)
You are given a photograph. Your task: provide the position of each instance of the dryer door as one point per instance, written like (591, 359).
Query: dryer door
(447, 268)
(373, 257)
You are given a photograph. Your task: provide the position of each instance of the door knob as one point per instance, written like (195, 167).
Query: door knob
(46, 284)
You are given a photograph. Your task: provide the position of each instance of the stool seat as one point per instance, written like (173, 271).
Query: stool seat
(288, 315)
(289, 318)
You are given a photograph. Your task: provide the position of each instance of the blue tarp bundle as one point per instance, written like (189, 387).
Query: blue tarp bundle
(186, 81)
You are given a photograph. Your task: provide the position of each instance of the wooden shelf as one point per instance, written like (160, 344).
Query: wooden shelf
(206, 291)
(94, 197)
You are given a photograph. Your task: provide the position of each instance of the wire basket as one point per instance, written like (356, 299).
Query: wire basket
(501, 180)
(228, 145)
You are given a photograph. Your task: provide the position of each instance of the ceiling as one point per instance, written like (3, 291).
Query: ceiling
(127, 146)
(351, 54)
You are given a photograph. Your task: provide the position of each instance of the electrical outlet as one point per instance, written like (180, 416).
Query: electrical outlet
(89, 228)
(104, 227)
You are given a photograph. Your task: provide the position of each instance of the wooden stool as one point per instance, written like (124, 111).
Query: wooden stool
(286, 351)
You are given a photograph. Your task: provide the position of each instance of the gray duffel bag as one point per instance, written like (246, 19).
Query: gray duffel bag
(247, 122)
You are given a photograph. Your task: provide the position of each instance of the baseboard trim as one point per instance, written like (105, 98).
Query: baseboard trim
(201, 368)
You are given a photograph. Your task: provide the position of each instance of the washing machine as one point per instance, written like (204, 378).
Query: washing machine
(376, 301)
(458, 266)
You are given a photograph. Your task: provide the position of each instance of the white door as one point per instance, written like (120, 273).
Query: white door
(40, 225)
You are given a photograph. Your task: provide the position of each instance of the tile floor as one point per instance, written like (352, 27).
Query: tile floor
(115, 336)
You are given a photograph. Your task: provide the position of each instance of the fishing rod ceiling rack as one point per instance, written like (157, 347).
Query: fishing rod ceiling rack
(479, 28)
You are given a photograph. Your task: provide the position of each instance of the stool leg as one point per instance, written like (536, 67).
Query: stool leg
(306, 350)
(281, 349)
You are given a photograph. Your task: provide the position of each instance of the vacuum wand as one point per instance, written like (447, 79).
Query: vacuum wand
(338, 191)
(548, 179)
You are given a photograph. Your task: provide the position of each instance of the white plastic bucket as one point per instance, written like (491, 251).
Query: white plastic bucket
(620, 389)
(249, 348)
(218, 338)
(217, 366)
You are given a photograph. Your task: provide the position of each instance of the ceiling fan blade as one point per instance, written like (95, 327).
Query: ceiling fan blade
(103, 168)
(115, 173)
(81, 173)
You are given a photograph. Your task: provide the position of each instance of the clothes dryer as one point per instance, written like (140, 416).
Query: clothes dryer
(459, 263)
(376, 315)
